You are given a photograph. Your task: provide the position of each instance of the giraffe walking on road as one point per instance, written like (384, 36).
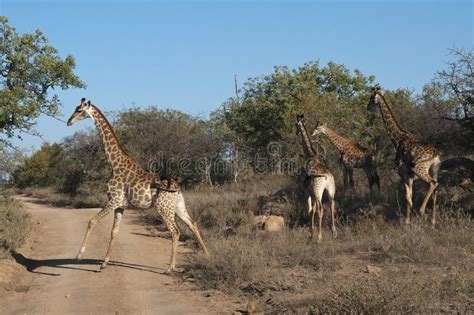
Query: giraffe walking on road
(131, 185)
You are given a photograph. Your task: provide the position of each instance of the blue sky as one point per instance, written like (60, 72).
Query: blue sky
(184, 54)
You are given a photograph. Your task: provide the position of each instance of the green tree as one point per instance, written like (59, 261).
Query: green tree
(43, 168)
(170, 142)
(29, 69)
(270, 103)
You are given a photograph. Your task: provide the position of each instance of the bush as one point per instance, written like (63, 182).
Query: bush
(87, 197)
(14, 225)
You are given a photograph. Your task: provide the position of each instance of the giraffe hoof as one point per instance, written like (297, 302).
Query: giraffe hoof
(168, 271)
(79, 257)
(103, 266)
(334, 233)
(320, 239)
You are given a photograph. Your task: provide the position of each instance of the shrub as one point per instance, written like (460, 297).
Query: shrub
(14, 225)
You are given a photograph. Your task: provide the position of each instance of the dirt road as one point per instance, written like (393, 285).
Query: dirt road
(53, 282)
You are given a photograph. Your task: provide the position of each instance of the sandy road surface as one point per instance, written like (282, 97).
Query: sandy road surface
(133, 283)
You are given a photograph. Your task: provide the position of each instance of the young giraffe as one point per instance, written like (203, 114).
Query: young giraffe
(353, 156)
(319, 178)
(131, 185)
(414, 158)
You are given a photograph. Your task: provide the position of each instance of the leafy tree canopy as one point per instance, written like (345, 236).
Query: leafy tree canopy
(29, 69)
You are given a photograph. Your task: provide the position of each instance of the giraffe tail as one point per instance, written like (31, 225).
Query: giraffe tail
(183, 214)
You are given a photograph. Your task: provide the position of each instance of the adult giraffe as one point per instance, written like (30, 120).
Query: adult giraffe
(353, 155)
(131, 185)
(415, 159)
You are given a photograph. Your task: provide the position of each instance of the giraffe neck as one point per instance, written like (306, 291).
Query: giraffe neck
(114, 151)
(341, 143)
(395, 132)
(308, 147)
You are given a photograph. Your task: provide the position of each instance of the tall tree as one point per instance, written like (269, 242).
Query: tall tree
(458, 81)
(29, 69)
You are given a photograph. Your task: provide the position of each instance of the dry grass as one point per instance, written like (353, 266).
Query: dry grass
(424, 269)
(14, 225)
(87, 198)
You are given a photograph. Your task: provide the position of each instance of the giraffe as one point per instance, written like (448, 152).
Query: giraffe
(352, 156)
(131, 185)
(319, 178)
(414, 159)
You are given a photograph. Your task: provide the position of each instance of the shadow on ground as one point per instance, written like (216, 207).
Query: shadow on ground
(71, 263)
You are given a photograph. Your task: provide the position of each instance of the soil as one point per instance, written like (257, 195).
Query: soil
(44, 276)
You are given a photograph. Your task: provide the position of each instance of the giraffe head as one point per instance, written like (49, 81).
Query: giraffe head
(375, 97)
(82, 111)
(300, 124)
(320, 128)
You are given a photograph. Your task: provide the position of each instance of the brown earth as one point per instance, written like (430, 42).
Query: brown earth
(47, 279)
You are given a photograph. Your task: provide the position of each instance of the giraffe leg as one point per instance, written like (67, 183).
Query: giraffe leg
(310, 205)
(433, 186)
(331, 189)
(333, 219)
(345, 177)
(408, 184)
(369, 177)
(320, 214)
(319, 188)
(111, 205)
(173, 228)
(351, 181)
(183, 214)
(372, 177)
(422, 171)
(313, 212)
(114, 233)
(433, 214)
(376, 177)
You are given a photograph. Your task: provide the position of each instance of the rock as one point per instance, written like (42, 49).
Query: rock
(373, 270)
(289, 203)
(250, 307)
(269, 223)
(68, 295)
(274, 223)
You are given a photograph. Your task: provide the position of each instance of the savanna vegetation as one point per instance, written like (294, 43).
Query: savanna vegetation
(245, 159)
